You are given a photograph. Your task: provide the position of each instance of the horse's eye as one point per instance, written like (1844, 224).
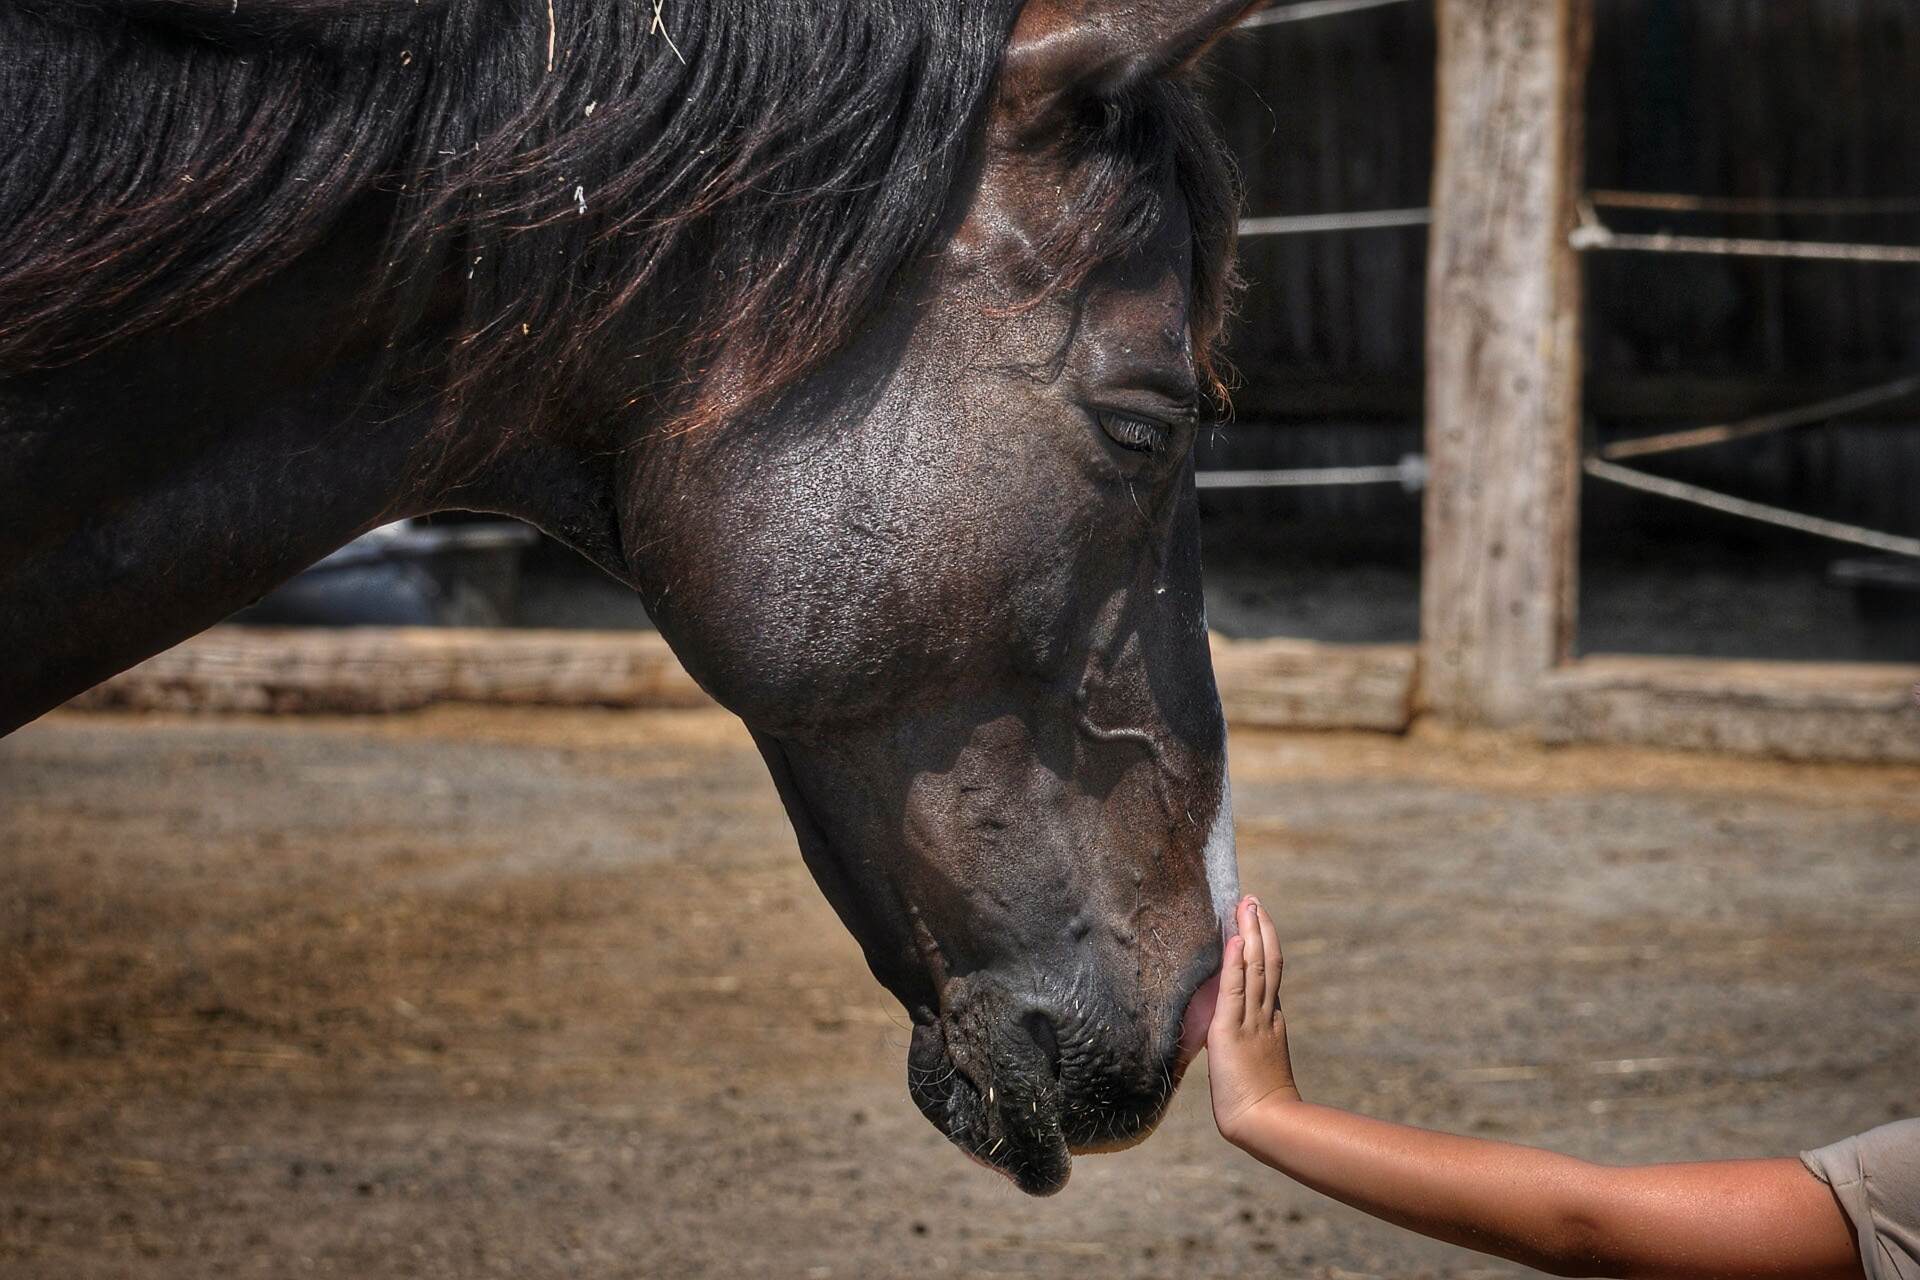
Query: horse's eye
(1138, 434)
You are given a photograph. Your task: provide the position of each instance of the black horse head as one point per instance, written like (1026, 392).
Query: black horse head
(867, 342)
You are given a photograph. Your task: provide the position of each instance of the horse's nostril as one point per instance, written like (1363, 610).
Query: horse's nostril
(1040, 1027)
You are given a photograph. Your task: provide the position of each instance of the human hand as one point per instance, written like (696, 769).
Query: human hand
(1247, 1059)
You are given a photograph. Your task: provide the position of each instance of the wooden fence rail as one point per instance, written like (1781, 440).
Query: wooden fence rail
(1292, 683)
(1805, 711)
(367, 669)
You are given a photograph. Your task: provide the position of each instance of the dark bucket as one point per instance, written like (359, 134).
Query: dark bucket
(406, 575)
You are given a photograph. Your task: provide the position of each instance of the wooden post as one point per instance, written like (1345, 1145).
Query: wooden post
(1503, 356)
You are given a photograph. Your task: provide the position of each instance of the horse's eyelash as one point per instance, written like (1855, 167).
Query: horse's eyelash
(1134, 433)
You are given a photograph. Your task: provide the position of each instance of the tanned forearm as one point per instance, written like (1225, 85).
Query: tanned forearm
(1748, 1218)
(1515, 1202)
(1553, 1212)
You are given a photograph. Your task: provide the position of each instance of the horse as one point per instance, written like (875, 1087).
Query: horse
(867, 342)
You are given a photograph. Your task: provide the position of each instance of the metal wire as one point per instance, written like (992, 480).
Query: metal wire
(1308, 223)
(1766, 422)
(1410, 473)
(1680, 491)
(1606, 238)
(1676, 203)
(1311, 9)
(1592, 235)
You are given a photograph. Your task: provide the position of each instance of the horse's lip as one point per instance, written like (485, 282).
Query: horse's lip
(1195, 1018)
(1030, 1149)
(1202, 983)
(1016, 1135)
(1015, 1132)
(1025, 1112)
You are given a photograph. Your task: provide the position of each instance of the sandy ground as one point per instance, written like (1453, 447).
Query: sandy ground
(471, 993)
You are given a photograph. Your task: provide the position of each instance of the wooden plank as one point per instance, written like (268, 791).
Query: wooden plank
(1799, 711)
(1283, 683)
(364, 669)
(1297, 684)
(1805, 711)
(1503, 356)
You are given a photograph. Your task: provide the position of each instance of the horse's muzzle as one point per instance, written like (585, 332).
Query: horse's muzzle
(1010, 1123)
(1023, 1084)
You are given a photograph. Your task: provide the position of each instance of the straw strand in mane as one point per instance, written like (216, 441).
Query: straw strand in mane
(718, 185)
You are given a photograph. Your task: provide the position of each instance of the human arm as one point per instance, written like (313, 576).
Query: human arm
(1758, 1218)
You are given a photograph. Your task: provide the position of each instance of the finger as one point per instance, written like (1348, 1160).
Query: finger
(1233, 988)
(1256, 962)
(1270, 937)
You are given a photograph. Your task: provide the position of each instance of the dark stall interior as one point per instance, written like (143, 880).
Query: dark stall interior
(1806, 101)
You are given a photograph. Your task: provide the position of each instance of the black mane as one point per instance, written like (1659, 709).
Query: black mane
(736, 191)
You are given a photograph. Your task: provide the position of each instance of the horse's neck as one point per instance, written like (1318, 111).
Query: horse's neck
(152, 490)
(155, 489)
(132, 550)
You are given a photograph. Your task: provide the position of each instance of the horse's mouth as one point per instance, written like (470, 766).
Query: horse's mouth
(1023, 1091)
(1011, 1126)
(1021, 1123)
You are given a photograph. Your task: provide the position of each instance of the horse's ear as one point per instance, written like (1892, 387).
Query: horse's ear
(1063, 49)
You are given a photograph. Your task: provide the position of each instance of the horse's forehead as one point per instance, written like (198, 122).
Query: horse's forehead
(1021, 202)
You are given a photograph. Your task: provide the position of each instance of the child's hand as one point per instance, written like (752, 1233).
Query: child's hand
(1247, 1058)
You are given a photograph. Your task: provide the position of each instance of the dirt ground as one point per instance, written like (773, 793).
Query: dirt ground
(480, 993)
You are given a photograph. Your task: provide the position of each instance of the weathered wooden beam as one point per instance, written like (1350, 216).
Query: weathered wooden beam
(362, 669)
(1297, 684)
(1282, 683)
(1503, 356)
(1795, 710)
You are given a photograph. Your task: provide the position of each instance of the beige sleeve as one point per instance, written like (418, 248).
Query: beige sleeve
(1876, 1178)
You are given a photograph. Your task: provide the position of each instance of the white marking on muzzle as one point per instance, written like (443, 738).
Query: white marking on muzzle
(1223, 868)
